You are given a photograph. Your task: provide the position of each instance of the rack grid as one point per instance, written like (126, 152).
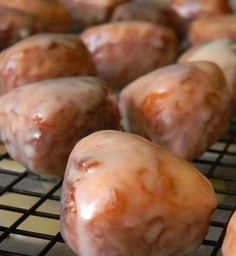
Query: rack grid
(29, 204)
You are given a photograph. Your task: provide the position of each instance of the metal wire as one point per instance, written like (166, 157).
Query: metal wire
(218, 164)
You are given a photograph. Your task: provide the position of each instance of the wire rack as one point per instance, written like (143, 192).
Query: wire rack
(29, 205)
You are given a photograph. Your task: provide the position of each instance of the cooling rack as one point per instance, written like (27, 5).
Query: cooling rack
(29, 205)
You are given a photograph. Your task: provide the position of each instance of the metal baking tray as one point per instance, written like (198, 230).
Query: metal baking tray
(29, 204)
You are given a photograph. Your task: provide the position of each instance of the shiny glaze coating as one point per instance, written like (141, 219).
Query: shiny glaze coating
(41, 57)
(154, 12)
(123, 195)
(91, 12)
(223, 53)
(208, 29)
(40, 123)
(144, 11)
(184, 107)
(229, 244)
(16, 25)
(123, 51)
(54, 15)
(192, 9)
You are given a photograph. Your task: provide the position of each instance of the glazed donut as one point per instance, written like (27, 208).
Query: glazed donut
(144, 11)
(16, 25)
(184, 107)
(91, 12)
(154, 12)
(123, 51)
(229, 244)
(42, 57)
(40, 123)
(208, 29)
(223, 53)
(123, 195)
(192, 9)
(55, 16)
